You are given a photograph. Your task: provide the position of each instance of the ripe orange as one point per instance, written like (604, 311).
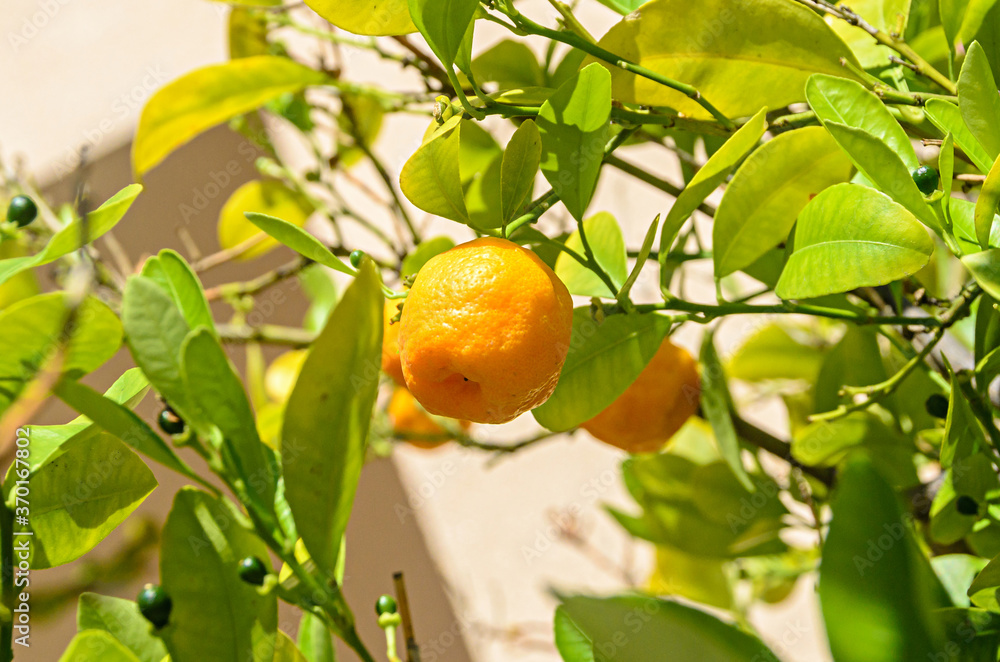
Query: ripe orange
(409, 419)
(484, 332)
(655, 406)
(390, 343)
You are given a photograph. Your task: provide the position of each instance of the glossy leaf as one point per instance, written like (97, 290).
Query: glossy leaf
(709, 176)
(299, 240)
(216, 615)
(172, 273)
(325, 429)
(96, 646)
(871, 552)
(31, 330)
(80, 497)
(573, 645)
(847, 102)
(889, 16)
(881, 166)
(68, 239)
(314, 639)
(603, 360)
(424, 252)
(432, 180)
(986, 206)
(217, 393)
(962, 20)
(985, 268)
(510, 64)
(852, 236)
(772, 353)
(122, 620)
(962, 434)
(200, 99)
(605, 238)
(978, 100)
(268, 197)
(708, 45)
(518, 169)
(948, 119)
(972, 477)
(574, 126)
(666, 631)
(366, 17)
(717, 403)
(120, 422)
(443, 23)
(987, 337)
(766, 194)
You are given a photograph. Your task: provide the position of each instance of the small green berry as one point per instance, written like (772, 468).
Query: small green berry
(252, 571)
(926, 179)
(154, 605)
(356, 258)
(170, 422)
(386, 604)
(937, 406)
(22, 210)
(966, 505)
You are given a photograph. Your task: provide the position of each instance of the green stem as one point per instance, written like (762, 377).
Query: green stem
(712, 311)
(779, 448)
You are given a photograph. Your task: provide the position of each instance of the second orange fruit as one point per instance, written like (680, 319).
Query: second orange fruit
(484, 332)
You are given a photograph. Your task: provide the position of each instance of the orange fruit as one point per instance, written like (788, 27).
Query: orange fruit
(484, 332)
(409, 419)
(655, 406)
(390, 343)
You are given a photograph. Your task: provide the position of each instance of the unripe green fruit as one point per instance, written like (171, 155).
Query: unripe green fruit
(22, 210)
(386, 604)
(937, 406)
(252, 571)
(926, 179)
(356, 258)
(154, 605)
(170, 422)
(966, 505)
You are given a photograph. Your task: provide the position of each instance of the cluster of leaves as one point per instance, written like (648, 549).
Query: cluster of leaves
(877, 294)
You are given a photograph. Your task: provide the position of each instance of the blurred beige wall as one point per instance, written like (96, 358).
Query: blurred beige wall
(477, 538)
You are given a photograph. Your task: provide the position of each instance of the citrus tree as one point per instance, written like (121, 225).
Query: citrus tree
(856, 150)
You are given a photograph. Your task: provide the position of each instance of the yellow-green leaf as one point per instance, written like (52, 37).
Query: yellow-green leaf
(431, 178)
(986, 205)
(269, 197)
(367, 17)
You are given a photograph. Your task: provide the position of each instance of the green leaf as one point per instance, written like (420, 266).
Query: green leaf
(852, 236)
(986, 206)
(962, 434)
(622, 6)
(956, 572)
(573, 645)
(709, 176)
(659, 630)
(96, 646)
(326, 420)
(121, 422)
(509, 64)
(217, 393)
(322, 293)
(948, 119)
(269, 197)
(716, 403)
(69, 238)
(432, 180)
(987, 327)
(122, 620)
(605, 238)
(366, 17)
(518, 169)
(640, 262)
(971, 477)
(983, 590)
(602, 362)
(427, 249)
(443, 23)
(574, 127)
(80, 497)
(847, 102)
(31, 329)
(708, 46)
(870, 552)
(963, 218)
(978, 100)
(172, 273)
(216, 615)
(200, 99)
(881, 166)
(946, 166)
(766, 194)
(772, 353)
(889, 16)
(155, 331)
(985, 268)
(285, 650)
(314, 639)
(299, 240)
(962, 19)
